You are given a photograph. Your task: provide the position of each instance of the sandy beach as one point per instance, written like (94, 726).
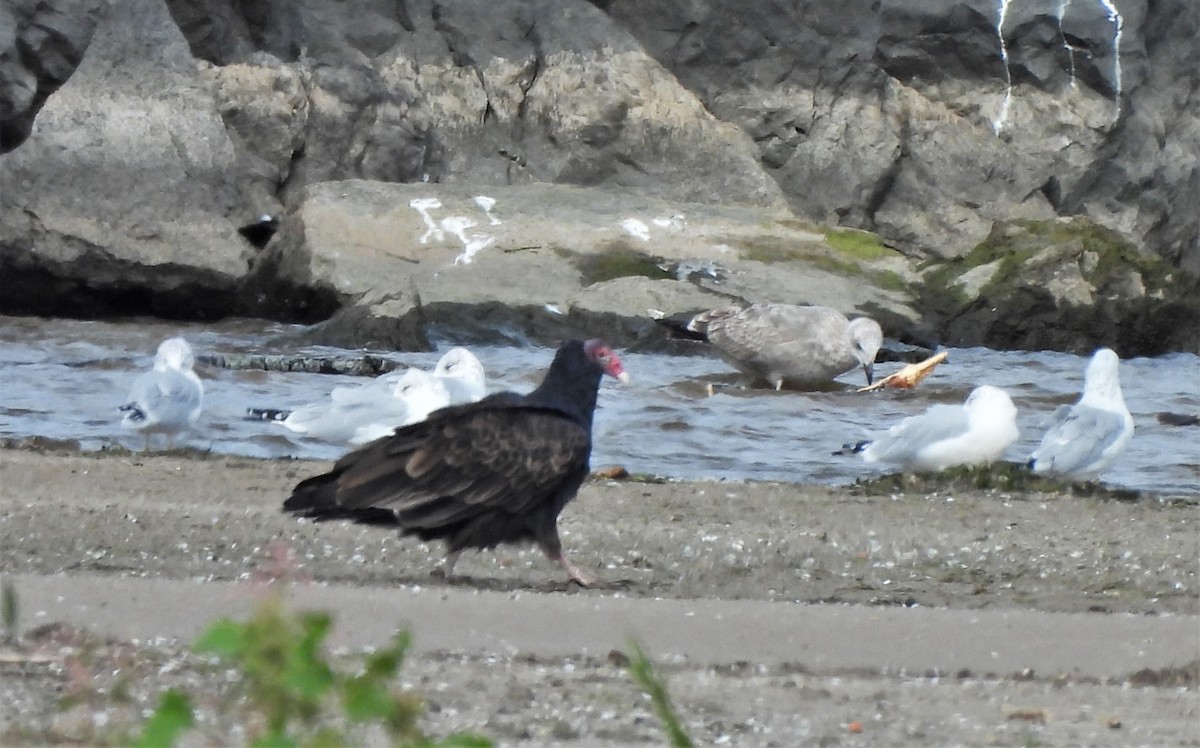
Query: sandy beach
(780, 614)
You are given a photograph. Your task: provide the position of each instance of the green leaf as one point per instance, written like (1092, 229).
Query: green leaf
(386, 662)
(225, 637)
(9, 610)
(275, 739)
(642, 670)
(172, 716)
(365, 699)
(463, 740)
(307, 673)
(327, 737)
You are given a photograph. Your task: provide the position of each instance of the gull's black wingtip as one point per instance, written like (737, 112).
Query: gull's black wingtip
(135, 413)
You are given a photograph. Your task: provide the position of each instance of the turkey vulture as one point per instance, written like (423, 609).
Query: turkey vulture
(495, 471)
(787, 344)
(1086, 437)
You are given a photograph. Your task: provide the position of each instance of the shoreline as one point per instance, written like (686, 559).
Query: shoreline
(788, 610)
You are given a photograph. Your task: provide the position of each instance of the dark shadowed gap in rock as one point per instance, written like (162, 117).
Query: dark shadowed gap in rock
(36, 291)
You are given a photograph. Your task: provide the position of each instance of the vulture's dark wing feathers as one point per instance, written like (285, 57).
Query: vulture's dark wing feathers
(462, 463)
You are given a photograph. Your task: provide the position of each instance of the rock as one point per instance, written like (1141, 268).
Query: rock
(544, 261)
(924, 122)
(1068, 285)
(120, 200)
(748, 131)
(41, 43)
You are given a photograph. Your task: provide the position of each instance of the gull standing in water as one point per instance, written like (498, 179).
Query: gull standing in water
(1086, 437)
(790, 345)
(167, 399)
(976, 432)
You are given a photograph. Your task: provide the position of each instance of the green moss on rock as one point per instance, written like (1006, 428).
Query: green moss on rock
(861, 245)
(1009, 477)
(617, 262)
(1067, 285)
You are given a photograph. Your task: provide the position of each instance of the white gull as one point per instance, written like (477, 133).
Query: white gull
(1086, 437)
(354, 414)
(167, 399)
(976, 432)
(462, 375)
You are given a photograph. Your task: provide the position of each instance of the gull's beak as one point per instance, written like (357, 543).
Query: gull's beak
(869, 368)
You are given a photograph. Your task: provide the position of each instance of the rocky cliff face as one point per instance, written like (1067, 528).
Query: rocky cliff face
(927, 121)
(40, 45)
(931, 123)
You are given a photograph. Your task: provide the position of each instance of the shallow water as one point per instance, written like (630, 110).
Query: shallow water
(63, 379)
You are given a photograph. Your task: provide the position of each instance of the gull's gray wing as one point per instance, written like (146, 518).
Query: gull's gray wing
(904, 440)
(1078, 439)
(164, 397)
(339, 422)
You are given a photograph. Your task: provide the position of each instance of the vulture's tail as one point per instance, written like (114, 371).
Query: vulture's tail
(316, 497)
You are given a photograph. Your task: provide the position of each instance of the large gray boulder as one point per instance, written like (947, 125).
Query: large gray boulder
(121, 199)
(543, 261)
(479, 91)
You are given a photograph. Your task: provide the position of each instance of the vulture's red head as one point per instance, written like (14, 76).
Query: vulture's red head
(603, 356)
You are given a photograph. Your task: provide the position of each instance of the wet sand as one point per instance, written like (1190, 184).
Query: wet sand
(779, 613)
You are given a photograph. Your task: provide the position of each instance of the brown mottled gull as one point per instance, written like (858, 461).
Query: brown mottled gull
(790, 345)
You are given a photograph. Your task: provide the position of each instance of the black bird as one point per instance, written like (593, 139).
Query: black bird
(495, 471)
(260, 231)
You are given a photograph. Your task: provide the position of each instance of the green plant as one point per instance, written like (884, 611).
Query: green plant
(172, 717)
(293, 689)
(9, 612)
(642, 670)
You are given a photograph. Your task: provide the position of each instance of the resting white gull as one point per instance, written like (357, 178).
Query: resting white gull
(1086, 437)
(457, 379)
(461, 374)
(167, 399)
(791, 345)
(356, 415)
(976, 432)
(420, 392)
